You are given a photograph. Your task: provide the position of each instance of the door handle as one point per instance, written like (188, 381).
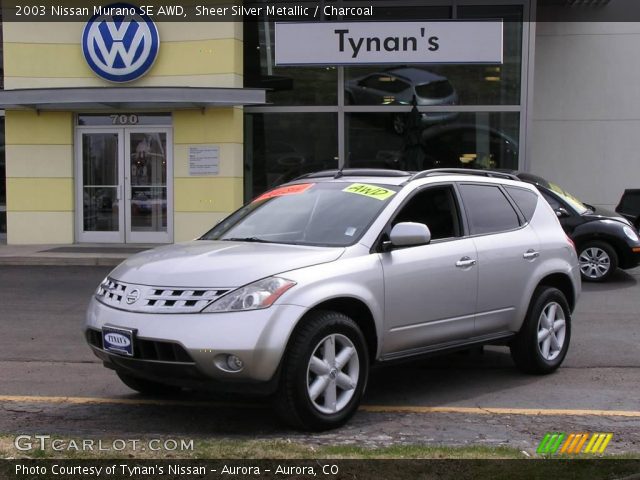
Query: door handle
(530, 254)
(465, 262)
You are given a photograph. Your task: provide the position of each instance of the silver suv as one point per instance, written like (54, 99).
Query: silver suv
(299, 292)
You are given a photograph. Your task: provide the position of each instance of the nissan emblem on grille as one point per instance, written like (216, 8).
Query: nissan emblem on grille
(133, 296)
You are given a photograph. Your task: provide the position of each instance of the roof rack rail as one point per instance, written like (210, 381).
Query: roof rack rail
(462, 171)
(355, 172)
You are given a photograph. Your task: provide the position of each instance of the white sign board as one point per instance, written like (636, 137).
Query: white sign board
(204, 160)
(367, 43)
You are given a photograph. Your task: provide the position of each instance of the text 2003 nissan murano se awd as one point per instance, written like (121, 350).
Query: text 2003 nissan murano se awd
(297, 293)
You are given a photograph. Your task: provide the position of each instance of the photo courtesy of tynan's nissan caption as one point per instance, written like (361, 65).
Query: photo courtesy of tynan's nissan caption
(119, 470)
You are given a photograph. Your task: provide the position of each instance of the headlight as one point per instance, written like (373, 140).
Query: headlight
(629, 232)
(101, 288)
(260, 294)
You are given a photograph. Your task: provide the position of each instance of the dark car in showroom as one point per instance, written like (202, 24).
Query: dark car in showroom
(404, 86)
(604, 240)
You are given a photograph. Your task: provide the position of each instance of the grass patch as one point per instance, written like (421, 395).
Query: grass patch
(199, 448)
(61, 447)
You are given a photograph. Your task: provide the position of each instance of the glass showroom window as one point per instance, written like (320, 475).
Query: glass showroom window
(282, 146)
(464, 116)
(438, 140)
(286, 85)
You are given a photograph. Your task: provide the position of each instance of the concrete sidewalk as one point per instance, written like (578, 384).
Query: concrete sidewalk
(85, 254)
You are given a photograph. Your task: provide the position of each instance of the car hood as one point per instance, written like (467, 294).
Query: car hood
(204, 263)
(604, 214)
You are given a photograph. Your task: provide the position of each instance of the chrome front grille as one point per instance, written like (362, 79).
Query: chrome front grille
(150, 299)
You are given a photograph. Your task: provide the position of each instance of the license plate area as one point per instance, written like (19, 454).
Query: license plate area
(118, 340)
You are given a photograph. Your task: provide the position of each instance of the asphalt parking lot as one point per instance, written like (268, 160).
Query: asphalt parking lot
(51, 383)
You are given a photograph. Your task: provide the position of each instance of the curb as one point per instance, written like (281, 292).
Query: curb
(62, 261)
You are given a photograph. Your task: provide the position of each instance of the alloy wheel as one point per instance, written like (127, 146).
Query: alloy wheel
(594, 262)
(552, 328)
(332, 373)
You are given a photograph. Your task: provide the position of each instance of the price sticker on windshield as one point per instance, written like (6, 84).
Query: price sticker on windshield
(371, 191)
(283, 191)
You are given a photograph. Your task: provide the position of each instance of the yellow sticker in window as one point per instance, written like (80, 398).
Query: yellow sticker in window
(372, 191)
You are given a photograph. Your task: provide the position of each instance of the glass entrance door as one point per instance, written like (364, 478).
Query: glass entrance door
(99, 196)
(147, 191)
(123, 193)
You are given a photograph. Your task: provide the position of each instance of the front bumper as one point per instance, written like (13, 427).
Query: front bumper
(181, 349)
(629, 256)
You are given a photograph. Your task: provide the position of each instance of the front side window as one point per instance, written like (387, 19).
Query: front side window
(436, 208)
(488, 210)
(323, 214)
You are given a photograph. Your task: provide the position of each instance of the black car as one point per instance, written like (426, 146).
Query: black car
(604, 240)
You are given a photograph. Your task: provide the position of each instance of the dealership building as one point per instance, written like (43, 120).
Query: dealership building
(141, 130)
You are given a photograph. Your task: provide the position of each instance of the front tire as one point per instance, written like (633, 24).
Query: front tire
(543, 341)
(324, 372)
(598, 261)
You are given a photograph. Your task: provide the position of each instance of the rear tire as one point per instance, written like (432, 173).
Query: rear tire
(598, 261)
(543, 340)
(324, 374)
(146, 387)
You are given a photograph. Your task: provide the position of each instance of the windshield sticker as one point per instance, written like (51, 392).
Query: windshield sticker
(283, 191)
(371, 191)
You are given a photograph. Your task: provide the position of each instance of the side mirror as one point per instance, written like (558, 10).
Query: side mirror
(562, 212)
(409, 234)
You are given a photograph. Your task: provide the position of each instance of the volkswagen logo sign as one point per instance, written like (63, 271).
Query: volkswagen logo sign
(120, 44)
(132, 296)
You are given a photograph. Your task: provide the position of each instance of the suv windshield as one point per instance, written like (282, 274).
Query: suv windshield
(328, 214)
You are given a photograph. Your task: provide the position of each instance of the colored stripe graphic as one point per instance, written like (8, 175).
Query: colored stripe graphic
(598, 443)
(572, 443)
(550, 443)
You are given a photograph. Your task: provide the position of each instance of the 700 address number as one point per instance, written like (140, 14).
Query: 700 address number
(122, 119)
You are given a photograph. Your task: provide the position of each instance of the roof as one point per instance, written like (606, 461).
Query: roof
(399, 177)
(129, 98)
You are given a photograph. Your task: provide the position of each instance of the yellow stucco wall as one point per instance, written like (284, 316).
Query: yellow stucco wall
(201, 201)
(39, 168)
(195, 54)
(39, 146)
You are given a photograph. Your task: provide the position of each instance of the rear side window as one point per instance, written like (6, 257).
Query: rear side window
(526, 200)
(488, 210)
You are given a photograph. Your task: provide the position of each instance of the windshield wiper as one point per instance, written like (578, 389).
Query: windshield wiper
(246, 239)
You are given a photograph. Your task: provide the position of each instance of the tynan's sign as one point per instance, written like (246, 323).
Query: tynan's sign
(368, 43)
(121, 43)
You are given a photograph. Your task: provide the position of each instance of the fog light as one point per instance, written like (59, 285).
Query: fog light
(234, 363)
